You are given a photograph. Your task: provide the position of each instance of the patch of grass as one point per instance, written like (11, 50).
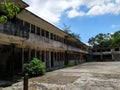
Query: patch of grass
(71, 65)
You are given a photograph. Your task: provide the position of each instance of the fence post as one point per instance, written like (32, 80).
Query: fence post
(25, 83)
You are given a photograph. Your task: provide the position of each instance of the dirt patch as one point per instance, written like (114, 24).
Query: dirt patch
(106, 76)
(55, 79)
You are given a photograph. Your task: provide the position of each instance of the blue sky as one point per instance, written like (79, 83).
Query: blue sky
(85, 17)
(90, 26)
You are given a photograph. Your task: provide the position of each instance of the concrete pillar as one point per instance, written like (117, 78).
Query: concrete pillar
(101, 57)
(56, 59)
(35, 30)
(41, 55)
(49, 59)
(30, 29)
(49, 36)
(22, 59)
(53, 59)
(60, 59)
(113, 57)
(112, 50)
(35, 53)
(79, 57)
(29, 54)
(45, 57)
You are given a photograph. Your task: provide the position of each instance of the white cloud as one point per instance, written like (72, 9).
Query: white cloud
(110, 8)
(115, 25)
(52, 10)
(118, 1)
(74, 13)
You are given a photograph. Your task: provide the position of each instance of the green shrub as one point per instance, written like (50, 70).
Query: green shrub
(35, 67)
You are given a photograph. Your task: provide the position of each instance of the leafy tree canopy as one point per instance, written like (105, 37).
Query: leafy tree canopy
(68, 31)
(7, 11)
(105, 40)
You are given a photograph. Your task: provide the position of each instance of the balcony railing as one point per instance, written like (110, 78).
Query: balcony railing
(71, 48)
(45, 42)
(13, 28)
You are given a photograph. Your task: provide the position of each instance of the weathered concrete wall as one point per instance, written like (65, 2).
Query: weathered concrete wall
(116, 57)
(44, 42)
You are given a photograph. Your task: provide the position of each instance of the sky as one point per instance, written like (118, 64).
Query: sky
(85, 17)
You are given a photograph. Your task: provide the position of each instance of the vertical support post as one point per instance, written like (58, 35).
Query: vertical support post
(29, 54)
(112, 50)
(22, 59)
(25, 84)
(45, 58)
(101, 57)
(36, 53)
(13, 59)
(53, 59)
(49, 59)
(60, 59)
(66, 58)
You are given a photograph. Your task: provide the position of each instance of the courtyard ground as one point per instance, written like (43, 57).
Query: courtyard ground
(87, 76)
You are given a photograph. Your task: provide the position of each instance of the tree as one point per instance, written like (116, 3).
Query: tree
(91, 41)
(8, 10)
(105, 40)
(97, 40)
(68, 31)
(77, 36)
(116, 39)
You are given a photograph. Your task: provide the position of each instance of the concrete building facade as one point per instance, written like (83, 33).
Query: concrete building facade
(106, 54)
(28, 36)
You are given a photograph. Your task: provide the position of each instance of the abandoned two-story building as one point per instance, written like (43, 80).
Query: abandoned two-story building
(27, 36)
(105, 54)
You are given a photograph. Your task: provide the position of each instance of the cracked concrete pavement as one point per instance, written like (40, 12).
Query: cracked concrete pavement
(87, 76)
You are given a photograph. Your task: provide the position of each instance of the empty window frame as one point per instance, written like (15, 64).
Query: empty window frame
(20, 27)
(38, 31)
(43, 32)
(20, 23)
(47, 34)
(60, 39)
(27, 26)
(108, 50)
(32, 28)
(32, 54)
(55, 37)
(51, 36)
(64, 40)
(117, 49)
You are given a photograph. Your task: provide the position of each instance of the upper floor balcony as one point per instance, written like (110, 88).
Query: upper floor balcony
(71, 48)
(40, 41)
(44, 42)
(115, 50)
(35, 36)
(14, 28)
